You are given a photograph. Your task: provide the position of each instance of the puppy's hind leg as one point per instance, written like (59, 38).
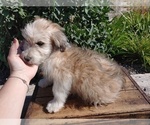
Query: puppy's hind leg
(61, 91)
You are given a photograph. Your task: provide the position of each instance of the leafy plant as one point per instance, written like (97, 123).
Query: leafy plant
(88, 27)
(10, 18)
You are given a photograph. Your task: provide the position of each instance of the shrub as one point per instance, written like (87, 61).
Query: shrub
(11, 21)
(87, 27)
(129, 38)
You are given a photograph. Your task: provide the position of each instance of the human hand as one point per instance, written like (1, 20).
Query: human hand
(17, 66)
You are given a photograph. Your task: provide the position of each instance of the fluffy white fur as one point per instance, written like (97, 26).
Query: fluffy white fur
(95, 78)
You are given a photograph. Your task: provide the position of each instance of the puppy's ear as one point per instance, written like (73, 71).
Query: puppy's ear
(59, 40)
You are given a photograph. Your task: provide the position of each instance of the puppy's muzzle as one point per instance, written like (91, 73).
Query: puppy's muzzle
(27, 58)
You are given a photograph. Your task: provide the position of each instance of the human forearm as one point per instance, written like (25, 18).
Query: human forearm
(12, 96)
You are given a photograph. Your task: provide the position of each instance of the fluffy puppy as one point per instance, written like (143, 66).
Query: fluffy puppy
(95, 78)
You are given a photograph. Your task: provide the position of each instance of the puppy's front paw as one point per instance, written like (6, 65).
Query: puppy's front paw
(43, 83)
(54, 106)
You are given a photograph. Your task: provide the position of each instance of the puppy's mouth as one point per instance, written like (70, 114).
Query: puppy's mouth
(26, 60)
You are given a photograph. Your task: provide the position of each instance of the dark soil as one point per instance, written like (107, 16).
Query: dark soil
(135, 69)
(132, 64)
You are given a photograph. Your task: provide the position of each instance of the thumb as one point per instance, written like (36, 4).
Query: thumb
(14, 47)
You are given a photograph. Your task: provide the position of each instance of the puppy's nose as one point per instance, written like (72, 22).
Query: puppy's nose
(27, 58)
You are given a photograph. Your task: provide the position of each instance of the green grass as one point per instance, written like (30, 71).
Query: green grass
(129, 38)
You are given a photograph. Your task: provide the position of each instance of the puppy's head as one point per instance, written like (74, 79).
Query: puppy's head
(42, 38)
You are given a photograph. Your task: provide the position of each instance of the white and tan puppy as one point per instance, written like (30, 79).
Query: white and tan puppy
(96, 79)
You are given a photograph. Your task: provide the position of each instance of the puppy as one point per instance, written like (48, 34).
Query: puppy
(95, 78)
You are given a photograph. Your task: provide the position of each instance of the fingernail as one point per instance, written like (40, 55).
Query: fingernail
(14, 41)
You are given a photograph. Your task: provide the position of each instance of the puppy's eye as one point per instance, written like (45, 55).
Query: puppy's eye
(40, 43)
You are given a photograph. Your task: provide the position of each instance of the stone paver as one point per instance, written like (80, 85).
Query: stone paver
(143, 80)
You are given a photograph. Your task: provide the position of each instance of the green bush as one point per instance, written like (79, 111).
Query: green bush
(129, 38)
(87, 27)
(84, 26)
(11, 21)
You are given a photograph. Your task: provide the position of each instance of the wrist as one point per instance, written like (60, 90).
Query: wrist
(22, 76)
(23, 81)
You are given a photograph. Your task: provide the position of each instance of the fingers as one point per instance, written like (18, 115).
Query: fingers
(14, 47)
